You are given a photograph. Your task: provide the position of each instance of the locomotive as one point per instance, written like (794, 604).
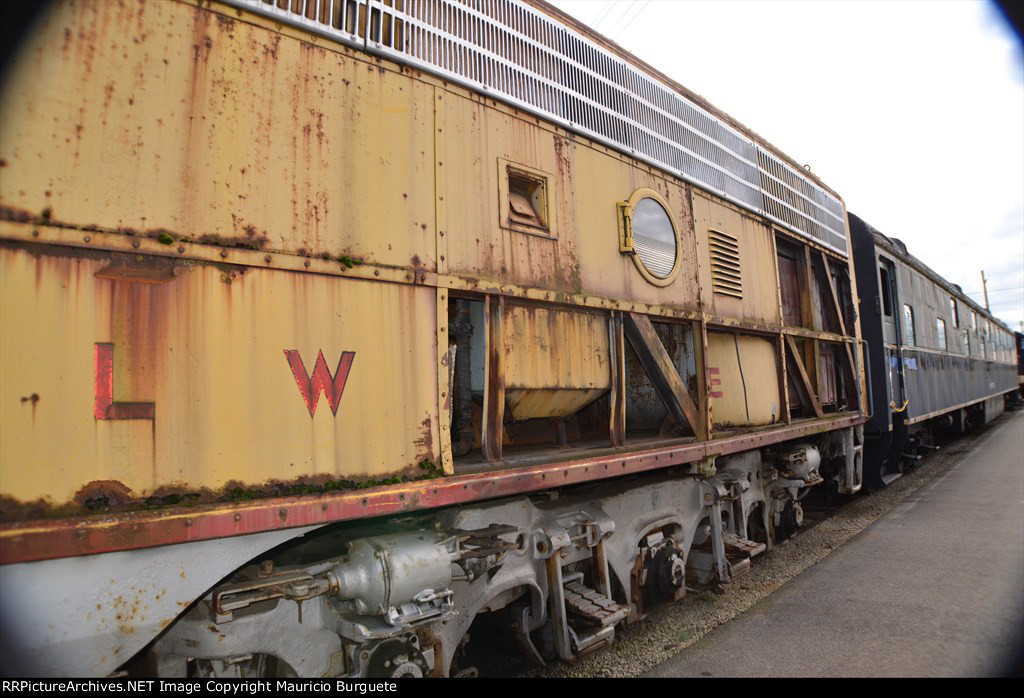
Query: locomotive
(333, 328)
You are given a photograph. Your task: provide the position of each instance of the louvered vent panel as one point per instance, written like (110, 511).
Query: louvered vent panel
(726, 275)
(511, 51)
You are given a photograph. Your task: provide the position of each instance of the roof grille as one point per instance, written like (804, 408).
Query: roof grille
(516, 53)
(726, 275)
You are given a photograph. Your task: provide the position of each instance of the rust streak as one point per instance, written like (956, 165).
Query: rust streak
(84, 536)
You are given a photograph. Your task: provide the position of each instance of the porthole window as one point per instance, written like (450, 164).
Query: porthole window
(649, 233)
(654, 237)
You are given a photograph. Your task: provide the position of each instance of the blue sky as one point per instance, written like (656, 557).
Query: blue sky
(912, 111)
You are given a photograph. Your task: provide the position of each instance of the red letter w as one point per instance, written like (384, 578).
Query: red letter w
(310, 386)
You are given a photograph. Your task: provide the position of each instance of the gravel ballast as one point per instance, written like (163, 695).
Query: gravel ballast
(672, 628)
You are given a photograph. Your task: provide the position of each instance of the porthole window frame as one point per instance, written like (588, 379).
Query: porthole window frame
(650, 277)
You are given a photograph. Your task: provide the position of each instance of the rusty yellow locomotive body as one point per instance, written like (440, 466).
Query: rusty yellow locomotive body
(270, 266)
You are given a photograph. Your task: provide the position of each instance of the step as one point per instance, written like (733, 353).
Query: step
(741, 547)
(593, 605)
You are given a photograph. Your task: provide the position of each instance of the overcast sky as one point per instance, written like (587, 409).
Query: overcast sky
(912, 111)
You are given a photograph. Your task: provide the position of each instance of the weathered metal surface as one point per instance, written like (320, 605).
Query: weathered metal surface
(535, 403)
(76, 617)
(220, 130)
(89, 238)
(744, 386)
(556, 362)
(549, 348)
(277, 154)
(445, 373)
(617, 409)
(538, 60)
(757, 302)
(284, 220)
(201, 383)
(41, 540)
(104, 406)
(480, 136)
(603, 268)
(494, 378)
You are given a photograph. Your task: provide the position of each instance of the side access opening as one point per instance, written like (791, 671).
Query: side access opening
(526, 379)
(530, 381)
(816, 301)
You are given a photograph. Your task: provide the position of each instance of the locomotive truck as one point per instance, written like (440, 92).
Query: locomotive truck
(335, 328)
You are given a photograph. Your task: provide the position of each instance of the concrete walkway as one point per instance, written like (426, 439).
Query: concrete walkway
(933, 588)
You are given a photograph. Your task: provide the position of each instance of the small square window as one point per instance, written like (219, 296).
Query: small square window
(525, 199)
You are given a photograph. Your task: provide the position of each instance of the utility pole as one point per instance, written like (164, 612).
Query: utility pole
(984, 287)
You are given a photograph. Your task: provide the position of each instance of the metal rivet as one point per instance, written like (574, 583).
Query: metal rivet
(238, 517)
(441, 233)
(266, 258)
(87, 238)
(223, 253)
(306, 263)
(376, 272)
(135, 244)
(35, 233)
(181, 250)
(188, 522)
(442, 256)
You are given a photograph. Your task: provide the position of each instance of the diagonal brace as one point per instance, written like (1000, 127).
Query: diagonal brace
(662, 371)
